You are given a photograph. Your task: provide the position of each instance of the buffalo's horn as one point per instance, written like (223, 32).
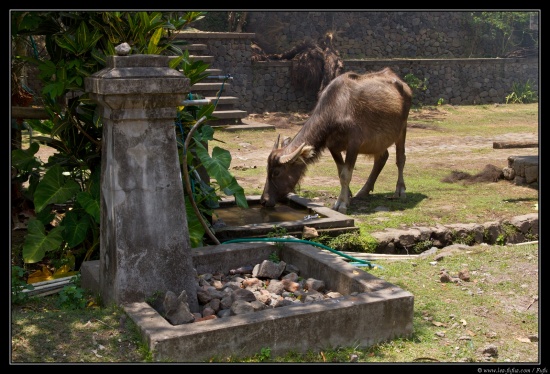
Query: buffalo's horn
(276, 145)
(292, 156)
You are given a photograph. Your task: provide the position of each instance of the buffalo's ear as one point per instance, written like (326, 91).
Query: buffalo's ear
(302, 152)
(307, 152)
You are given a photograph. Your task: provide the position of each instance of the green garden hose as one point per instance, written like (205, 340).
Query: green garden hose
(356, 261)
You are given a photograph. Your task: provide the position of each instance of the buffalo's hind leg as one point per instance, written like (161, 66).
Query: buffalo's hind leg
(379, 163)
(400, 162)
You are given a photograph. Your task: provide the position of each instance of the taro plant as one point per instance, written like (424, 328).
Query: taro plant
(194, 154)
(64, 191)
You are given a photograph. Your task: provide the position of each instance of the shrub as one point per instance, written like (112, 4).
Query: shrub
(522, 94)
(18, 284)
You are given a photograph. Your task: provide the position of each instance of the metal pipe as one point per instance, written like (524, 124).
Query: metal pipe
(228, 76)
(196, 102)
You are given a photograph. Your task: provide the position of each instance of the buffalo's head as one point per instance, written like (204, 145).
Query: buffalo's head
(285, 167)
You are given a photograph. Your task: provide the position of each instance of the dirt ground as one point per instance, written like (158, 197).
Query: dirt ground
(457, 152)
(472, 152)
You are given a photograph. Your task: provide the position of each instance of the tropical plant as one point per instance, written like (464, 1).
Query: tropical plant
(72, 296)
(64, 191)
(193, 153)
(18, 285)
(416, 83)
(522, 94)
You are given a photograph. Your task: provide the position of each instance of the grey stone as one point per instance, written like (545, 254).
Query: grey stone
(276, 287)
(177, 309)
(269, 269)
(527, 223)
(123, 49)
(241, 307)
(315, 285)
(243, 294)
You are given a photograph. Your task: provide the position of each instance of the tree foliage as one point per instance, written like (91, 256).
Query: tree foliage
(510, 30)
(63, 193)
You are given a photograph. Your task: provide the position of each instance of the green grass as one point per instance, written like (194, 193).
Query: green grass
(43, 332)
(451, 322)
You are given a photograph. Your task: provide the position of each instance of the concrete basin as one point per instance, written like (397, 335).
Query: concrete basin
(372, 310)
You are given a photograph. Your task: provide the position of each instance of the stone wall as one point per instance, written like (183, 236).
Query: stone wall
(437, 47)
(265, 86)
(381, 34)
(459, 81)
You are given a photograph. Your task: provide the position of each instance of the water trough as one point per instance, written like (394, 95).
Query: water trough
(258, 221)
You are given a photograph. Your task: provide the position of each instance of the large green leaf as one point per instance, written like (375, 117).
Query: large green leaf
(75, 228)
(90, 204)
(205, 134)
(24, 159)
(37, 242)
(42, 126)
(85, 39)
(153, 47)
(196, 230)
(234, 189)
(54, 188)
(217, 167)
(174, 62)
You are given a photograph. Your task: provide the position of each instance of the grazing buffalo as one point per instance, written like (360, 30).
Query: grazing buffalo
(355, 114)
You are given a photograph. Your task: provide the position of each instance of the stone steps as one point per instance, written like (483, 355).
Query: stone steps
(210, 87)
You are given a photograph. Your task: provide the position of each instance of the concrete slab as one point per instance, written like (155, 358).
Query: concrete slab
(246, 125)
(526, 169)
(372, 310)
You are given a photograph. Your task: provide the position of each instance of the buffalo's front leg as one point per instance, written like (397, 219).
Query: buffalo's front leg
(339, 160)
(345, 172)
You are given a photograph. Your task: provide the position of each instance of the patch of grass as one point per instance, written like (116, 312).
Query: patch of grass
(352, 242)
(43, 332)
(452, 322)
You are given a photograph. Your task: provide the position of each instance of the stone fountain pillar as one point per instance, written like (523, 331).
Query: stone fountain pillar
(144, 237)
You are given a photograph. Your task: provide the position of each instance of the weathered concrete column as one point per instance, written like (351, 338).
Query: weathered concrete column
(144, 236)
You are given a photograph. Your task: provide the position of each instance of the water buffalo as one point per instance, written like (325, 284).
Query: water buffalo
(355, 114)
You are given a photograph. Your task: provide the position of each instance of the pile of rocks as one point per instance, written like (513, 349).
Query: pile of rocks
(247, 289)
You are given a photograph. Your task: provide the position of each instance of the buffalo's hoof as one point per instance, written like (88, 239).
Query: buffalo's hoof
(340, 206)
